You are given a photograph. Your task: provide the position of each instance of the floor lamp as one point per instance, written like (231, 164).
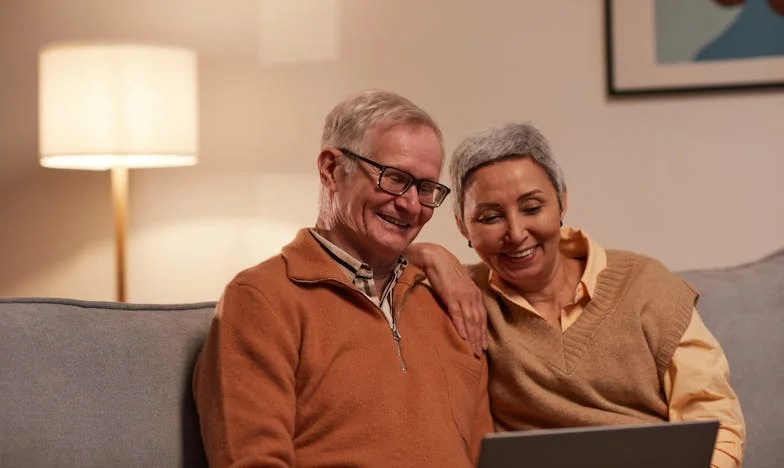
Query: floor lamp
(117, 107)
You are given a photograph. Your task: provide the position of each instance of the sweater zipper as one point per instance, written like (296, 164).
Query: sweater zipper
(396, 337)
(395, 317)
(395, 332)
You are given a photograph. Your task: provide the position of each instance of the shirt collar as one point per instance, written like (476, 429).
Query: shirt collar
(353, 268)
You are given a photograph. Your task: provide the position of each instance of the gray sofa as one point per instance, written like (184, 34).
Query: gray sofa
(96, 384)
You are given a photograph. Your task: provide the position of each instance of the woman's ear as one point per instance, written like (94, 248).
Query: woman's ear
(461, 226)
(328, 166)
(563, 205)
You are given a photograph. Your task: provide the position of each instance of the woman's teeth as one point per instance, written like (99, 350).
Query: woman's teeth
(523, 253)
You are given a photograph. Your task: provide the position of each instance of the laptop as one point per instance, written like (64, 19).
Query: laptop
(672, 445)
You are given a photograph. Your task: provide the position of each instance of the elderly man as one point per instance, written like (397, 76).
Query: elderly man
(335, 352)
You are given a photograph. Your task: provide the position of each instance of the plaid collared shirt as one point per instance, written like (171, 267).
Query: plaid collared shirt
(361, 275)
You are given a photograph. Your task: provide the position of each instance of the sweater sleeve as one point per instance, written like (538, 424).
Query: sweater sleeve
(243, 383)
(697, 386)
(483, 420)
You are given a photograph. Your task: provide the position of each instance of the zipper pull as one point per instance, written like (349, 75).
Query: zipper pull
(395, 333)
(396, 337)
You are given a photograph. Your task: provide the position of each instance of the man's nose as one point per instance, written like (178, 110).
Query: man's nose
(409, 199)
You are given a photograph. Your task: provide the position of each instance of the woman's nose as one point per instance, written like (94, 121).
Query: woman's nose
(516, 231)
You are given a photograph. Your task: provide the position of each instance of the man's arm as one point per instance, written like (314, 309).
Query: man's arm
(697, 386)
(451, 281)
(483, 420)
(244, 382)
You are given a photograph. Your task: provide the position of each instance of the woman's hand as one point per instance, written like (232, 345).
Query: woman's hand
(450, 280)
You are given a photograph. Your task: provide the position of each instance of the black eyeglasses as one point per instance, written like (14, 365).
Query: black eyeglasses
(396, 182)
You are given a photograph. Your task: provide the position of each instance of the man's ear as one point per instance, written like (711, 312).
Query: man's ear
(328, 166)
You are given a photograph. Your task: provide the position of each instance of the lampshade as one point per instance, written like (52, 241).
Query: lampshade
(105, 106)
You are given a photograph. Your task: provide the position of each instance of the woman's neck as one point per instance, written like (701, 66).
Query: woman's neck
(557, 287)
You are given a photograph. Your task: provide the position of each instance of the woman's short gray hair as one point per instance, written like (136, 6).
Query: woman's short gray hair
(349, 123)
(513, 140)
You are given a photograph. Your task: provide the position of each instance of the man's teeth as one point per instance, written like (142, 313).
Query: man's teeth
(394, 221)
(522, 254)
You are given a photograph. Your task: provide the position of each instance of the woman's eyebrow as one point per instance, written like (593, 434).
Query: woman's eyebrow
(529, 194)
(487, 205)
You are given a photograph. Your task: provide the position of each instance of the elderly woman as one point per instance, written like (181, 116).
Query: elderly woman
(579, 335)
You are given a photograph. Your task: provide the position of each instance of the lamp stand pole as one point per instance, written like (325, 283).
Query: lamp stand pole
(120, 212)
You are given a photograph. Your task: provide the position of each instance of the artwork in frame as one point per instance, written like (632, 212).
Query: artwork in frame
(666, 46)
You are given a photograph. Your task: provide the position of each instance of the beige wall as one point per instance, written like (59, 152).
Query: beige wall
(692, 180)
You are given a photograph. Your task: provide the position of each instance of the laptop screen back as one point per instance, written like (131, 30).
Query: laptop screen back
(672, 445)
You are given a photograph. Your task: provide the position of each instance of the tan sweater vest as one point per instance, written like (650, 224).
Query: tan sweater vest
(607, 368)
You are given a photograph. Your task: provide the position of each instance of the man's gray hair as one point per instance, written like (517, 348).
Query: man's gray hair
(349, 123)
(509, 141)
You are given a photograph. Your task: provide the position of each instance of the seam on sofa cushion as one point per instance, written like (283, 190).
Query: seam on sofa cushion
(105, 304)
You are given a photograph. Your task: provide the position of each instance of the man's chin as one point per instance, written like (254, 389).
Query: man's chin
(390, 247)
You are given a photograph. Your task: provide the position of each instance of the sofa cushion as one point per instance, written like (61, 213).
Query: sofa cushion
(94, 384)
(744, 308)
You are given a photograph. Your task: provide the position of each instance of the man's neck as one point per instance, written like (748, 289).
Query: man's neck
(382, 269)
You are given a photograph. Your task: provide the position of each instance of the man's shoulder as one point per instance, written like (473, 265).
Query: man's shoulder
(271, 271)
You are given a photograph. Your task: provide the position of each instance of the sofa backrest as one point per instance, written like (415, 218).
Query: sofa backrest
(744, 308)
(92, 384)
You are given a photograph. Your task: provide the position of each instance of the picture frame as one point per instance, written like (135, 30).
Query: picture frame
(677, 46)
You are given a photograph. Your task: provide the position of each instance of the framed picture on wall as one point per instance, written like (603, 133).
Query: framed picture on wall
(665, 46)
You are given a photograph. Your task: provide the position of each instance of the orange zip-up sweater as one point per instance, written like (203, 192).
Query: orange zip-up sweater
(299, 368)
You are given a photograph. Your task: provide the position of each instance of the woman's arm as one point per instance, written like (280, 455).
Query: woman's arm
(451, 281)
(697, 386)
